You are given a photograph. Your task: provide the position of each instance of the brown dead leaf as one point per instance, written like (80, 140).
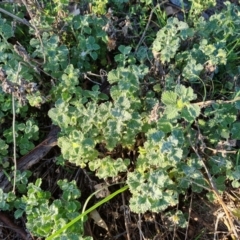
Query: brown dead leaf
(111, 44)
(171, 10)
(127, 25)
(103, 190)
(98, 220)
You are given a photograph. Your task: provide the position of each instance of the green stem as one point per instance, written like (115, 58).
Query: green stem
(232, 49)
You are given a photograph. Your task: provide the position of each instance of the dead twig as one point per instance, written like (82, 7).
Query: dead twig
(220, 215)
(210, 102)
(220, 151)
(189, 217)
(139, 227)
(126, 217)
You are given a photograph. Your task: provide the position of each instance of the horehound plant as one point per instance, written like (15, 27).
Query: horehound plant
(165, 125)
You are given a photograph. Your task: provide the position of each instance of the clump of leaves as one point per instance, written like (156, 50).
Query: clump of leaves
(45, 217)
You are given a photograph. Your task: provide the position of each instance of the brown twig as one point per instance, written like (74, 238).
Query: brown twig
(220, 151)
(139, 226)
(126, 218)
(189, 217)
(219, 216)
(210, 102)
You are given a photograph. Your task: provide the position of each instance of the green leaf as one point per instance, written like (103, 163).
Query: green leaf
(108, 167)
(59, 117)
(236, 183)
(70, 189)
(135, 181)
(70, 76)
(235, 131)
(155, 136)
(170, 50)
(186, 94)
(142, 53)
(140, 204)
(237, 105)
(125, 50)
(220, 183)
(6, 29)
(192, 70)
(93, 55)
(3, 147)
(114, 76)
(190, 112)
(171, 112)
(19, 213)
(164, 125)
(149, 192)
(3, 201)
(169, 98)
(186, 33)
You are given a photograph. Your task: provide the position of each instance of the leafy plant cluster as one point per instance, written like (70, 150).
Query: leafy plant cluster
(45, 216)
(170, 120)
